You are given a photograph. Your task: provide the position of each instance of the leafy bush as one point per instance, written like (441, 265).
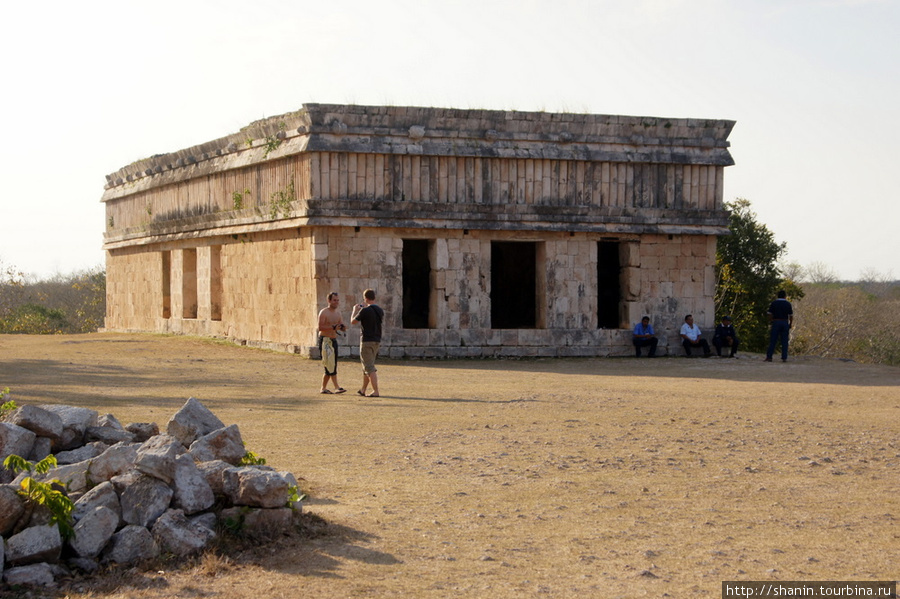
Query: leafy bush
(47, 493)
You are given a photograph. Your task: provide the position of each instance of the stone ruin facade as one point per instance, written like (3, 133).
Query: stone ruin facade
(137, 492)
(484, 233)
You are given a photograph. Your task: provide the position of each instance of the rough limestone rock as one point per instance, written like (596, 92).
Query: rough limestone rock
(214, 473)
(103, 495)
(41, 422)
(11, 509)
(145, 500)
(192, 493)
(130, 545)
(85, 452)
(74, 476)
(156, 457)
(15, 440)
(75, 422)
(223, 444)
(142, 430)
(192, 421)
(93, 531)
(176, 534)
(33, 545)
(116, 460)
(207, 519)
(257, 522)
(42, 447)
(35, 575)
(110, 421)
(108, 435)
(255, 487)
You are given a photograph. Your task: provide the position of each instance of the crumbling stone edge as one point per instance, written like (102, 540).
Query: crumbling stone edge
(138, 493)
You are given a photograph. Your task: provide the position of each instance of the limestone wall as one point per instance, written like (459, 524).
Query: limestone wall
(271, 286)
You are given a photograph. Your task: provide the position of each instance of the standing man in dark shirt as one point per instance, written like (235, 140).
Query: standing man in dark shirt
(369, 316)
(781, 318)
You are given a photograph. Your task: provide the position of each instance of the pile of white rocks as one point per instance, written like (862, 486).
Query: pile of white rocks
(137, 493)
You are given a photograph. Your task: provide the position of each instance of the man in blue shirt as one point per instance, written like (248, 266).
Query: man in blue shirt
(781, 317)
(643, 336)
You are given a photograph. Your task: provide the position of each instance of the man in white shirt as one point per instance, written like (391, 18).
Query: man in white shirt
(692, 337)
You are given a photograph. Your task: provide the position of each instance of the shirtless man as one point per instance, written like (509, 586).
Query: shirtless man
(330, 322)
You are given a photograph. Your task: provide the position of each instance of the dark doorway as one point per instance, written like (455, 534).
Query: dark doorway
(166, 284)
(416, 284)
(189, 283)
(609, 289)
(513, 285)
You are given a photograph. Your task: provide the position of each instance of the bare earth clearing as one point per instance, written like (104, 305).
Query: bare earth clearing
(560, 478)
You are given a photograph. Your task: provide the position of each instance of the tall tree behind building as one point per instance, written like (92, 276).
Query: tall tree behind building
(748, 276)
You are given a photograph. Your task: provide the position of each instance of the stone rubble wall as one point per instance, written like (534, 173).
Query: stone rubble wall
(137, 492)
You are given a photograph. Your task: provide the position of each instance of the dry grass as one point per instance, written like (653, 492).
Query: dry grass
(565, 478)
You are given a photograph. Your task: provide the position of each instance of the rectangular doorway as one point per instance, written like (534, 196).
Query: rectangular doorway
(513, 285)
(609, 285)
(417, 285)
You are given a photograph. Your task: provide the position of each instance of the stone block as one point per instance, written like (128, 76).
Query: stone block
(175, 534)
(33, 575)
(93, 531)
(192, 421)
(15, 440)
(41, 422)
(12, 508)
(114, 461)
(33, 545)
(130, 545)
(103, 495)
(157, 457)
(255, 487)
(223, 444)
(144, 499)
(192, 492)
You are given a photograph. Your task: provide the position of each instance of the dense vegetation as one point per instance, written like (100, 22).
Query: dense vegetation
(847, 320)
(857, 321)
(74, 303)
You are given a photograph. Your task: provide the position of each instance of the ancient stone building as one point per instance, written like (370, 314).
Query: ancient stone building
(485, 233)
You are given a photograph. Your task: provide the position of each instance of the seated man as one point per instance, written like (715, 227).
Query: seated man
(692, 337)
(643, 336)
(725, 335)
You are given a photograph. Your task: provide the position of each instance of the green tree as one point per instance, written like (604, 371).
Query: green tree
(748, 276)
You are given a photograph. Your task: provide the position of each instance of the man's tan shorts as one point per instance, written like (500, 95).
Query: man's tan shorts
(368, 350)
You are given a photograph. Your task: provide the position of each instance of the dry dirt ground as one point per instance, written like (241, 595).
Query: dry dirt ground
(558, 478)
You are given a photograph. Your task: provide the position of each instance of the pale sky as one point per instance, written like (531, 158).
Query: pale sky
(814, 85)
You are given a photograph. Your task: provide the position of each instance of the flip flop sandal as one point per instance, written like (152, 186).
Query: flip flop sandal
(340, 390)
(325, 391)
(360, 393)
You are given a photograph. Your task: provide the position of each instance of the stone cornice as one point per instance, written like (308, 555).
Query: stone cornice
(437, 132)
